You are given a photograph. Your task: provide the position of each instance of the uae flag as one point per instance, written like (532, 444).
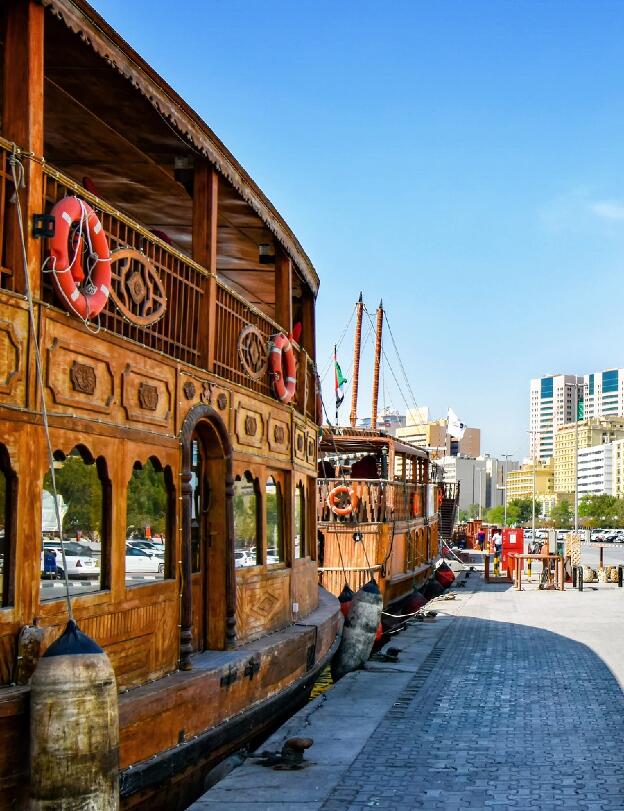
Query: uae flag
(340, 382)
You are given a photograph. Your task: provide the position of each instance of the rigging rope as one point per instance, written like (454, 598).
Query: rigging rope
(18, 176)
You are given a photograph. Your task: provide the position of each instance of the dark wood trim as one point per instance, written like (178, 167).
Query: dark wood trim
(197, 415)
(283, 289)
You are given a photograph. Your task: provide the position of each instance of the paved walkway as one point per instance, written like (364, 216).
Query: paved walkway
(510, 700)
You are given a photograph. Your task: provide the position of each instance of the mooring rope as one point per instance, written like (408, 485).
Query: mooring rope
(18, 182)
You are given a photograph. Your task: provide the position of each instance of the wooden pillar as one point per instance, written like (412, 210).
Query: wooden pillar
(283, 289)
(308, 333)
(378, 330)
(22, 123)
(357, 343)
(205, 214)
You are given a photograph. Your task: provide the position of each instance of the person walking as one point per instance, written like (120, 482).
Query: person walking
(497, 539)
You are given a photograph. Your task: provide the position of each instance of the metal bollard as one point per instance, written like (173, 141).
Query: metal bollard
(496, 565)
(529, 568)
(580, 579)
(574, 576)
(620, 575)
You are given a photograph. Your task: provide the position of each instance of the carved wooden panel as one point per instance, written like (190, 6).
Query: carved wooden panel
(299, 442)
(249, 426)
(278, 435)
(79, 379)
(136, 288)
(146, 395)
(311, 446)
(11, 349)
(262, 604)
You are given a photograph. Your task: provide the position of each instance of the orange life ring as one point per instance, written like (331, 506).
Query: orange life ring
(348, 508)
(282, 355)
(67, 271)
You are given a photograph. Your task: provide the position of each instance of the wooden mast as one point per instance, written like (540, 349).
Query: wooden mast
(378, 329)
(357, 343)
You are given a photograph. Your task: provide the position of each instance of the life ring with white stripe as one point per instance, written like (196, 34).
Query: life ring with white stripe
(346, 496)
(86, 301)
(283, 368)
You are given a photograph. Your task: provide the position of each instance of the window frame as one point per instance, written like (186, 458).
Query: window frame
(278, 480)
(247, 474)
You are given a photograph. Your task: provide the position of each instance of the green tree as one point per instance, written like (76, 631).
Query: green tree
(495, 515)
(601, 511)
(147, 500)
(562, 515)
(524, 506)
(80, 486)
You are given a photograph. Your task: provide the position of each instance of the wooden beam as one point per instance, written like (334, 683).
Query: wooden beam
(205, 212)
(22, 123)
(283, 289)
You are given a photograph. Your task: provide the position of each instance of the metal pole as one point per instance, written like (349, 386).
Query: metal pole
(533, 505)
(336, 393)
(505, 457)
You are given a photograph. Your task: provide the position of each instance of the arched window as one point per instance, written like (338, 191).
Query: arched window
(246, 503)
(274, 522)
(300, 521)
(83, 493)
(8, 493)
(149, 512)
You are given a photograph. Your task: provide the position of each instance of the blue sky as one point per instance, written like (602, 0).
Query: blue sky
(461, 160)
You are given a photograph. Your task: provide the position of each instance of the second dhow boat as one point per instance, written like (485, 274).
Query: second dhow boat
(377, 502)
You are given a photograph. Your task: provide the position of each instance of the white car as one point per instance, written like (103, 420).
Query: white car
(81, 562)
(138, 560)
(150, 547)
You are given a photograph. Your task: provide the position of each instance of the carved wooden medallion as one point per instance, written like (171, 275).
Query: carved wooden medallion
(189, 389)
(253, 352)
(82, 377)
(136, 288)
(251, 425)
(221, 401)
(148, 396)
(279, 435)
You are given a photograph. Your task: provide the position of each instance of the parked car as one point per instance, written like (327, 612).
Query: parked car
(81, 562)
(241, 558)
(138, 560)
(151, 547)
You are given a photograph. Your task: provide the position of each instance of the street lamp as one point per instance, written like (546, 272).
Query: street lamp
(534, 431)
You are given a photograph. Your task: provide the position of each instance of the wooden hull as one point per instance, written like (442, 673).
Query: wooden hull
(398, 556)
(183, 725)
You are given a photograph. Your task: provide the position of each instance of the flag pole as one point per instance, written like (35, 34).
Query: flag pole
(335, 373)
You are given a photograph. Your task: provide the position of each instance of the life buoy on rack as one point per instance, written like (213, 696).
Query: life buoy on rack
(416, 504)
(283, 368)
(67, 269)
(342, 490)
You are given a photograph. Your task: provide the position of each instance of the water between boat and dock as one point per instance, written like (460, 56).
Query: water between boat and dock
(505, 699)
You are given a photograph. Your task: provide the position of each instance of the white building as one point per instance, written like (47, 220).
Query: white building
(603, 393)
(595, 467)
(496, 471)
(553, 403)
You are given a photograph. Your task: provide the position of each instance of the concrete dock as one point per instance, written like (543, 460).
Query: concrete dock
(507, 700)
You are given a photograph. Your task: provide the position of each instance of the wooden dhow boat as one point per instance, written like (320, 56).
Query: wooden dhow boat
(173, 313)
(377, 501)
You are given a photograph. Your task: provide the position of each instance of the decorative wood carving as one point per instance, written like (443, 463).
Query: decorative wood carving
(189, 389)
(278, 434)
(222, 401)
(253, 352)
(136, 289)
(83, 378)
(299, 443)
(251, 425)
(77, 379)
(10, 357)
(148, 396)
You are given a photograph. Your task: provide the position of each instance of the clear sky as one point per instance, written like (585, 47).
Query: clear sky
(461, 160)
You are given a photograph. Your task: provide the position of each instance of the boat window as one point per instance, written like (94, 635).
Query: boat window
(246, 546)
(80, 507)
(274, 522)
(147, 524)
(300, 538)
(7, 535)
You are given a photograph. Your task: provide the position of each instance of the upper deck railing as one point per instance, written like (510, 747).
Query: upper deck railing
(181, 332)
(377, 500)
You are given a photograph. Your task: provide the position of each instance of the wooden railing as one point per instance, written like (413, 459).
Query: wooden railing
(181, 332)
(377, 500)
(333, 578)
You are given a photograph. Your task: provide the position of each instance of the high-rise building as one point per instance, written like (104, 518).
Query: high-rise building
(583, 434)
(603, 393)
(595, 470)
(554, 402)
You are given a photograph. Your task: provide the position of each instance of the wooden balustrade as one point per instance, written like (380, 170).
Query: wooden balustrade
(377, 500)
(183, 284)
(333, 578)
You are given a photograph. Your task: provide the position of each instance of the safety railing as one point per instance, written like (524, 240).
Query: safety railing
(376, 500)
(181, 330)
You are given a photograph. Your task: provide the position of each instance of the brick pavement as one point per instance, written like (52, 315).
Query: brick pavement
(501, 715)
